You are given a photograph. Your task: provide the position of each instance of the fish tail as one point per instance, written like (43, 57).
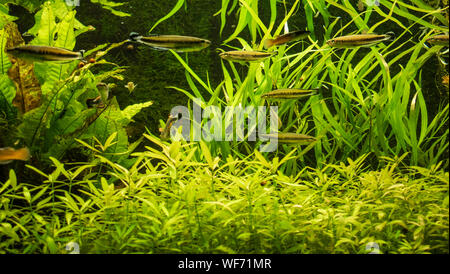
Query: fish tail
(23, 154)
(268, 43)
(390, 35)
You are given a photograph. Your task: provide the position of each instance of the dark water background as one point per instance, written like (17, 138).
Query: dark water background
(153, 71)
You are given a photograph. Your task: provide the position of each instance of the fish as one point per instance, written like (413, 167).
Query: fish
(36, 53)
(9, 154)
(360, 5)
(246, 55)
(286, 38)
(177, 43)
(165, 133)
(360, 40)
(289, 93)
(95, 102)
(445, 81)
(130, 86)
(290, 138)
(439, 40)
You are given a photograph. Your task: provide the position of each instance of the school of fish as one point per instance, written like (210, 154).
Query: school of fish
(179, 43)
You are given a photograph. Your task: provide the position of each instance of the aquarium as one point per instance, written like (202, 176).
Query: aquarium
(224, 127)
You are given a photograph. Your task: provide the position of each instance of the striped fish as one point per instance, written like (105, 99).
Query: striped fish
(290, 138)
(286, 38)
(246, 56)
(177, 43)
(9, 154)
(440, 40)
(35, 53)
(289, 93)
(360, 40)
(165, 133)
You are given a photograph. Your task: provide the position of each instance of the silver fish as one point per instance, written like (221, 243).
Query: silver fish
(35, 53)
(177, 43)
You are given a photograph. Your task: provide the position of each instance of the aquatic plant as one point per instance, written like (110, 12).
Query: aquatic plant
(377, 171)
(34, 5)
(52, 97)
(178, 205)
(366, 109)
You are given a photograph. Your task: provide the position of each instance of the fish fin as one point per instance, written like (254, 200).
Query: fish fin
(159, 48)
(24, 154)
(268, 43)
(391, 35)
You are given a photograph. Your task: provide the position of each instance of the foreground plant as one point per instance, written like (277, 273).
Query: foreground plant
(181, 205)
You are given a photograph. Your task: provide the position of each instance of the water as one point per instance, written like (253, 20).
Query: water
(153, 71)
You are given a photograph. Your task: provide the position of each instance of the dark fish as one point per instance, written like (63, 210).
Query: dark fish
(165, 133)
(289, 93)
(246, 56)
(440, 40)
(175, 42)
(36, 53)
(9, 154)
(95, 102)
(290, 138)
(359, 40)
(286, 38)
(445, 80)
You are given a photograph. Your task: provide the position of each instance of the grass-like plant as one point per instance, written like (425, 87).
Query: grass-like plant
(180, 205)
(377, 173)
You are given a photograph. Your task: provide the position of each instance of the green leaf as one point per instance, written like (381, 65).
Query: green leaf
(5, 18)
(130, 111)
(178, 5)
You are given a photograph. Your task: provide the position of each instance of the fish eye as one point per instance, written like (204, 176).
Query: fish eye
(134, 35)
(179, 116)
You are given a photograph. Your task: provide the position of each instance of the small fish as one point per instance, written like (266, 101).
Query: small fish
(246, 56)
(130, 86)
(286, 38)
(177, 43)
(95, 102)
(34, 53)
(360, 40)
(9, 154)
(360, 5)
(445, 80)
(165, 133)
(289, 93)
(290, 138)
(440, 40)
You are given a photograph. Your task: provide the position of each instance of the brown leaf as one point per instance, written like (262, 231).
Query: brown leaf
(28, 90)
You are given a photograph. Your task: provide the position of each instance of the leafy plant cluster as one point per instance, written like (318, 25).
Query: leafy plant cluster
(51, 98)
(363, 106)
(180, 205)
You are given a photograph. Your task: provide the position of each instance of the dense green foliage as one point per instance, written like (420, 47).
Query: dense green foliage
(180, 205)
(377, 173)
